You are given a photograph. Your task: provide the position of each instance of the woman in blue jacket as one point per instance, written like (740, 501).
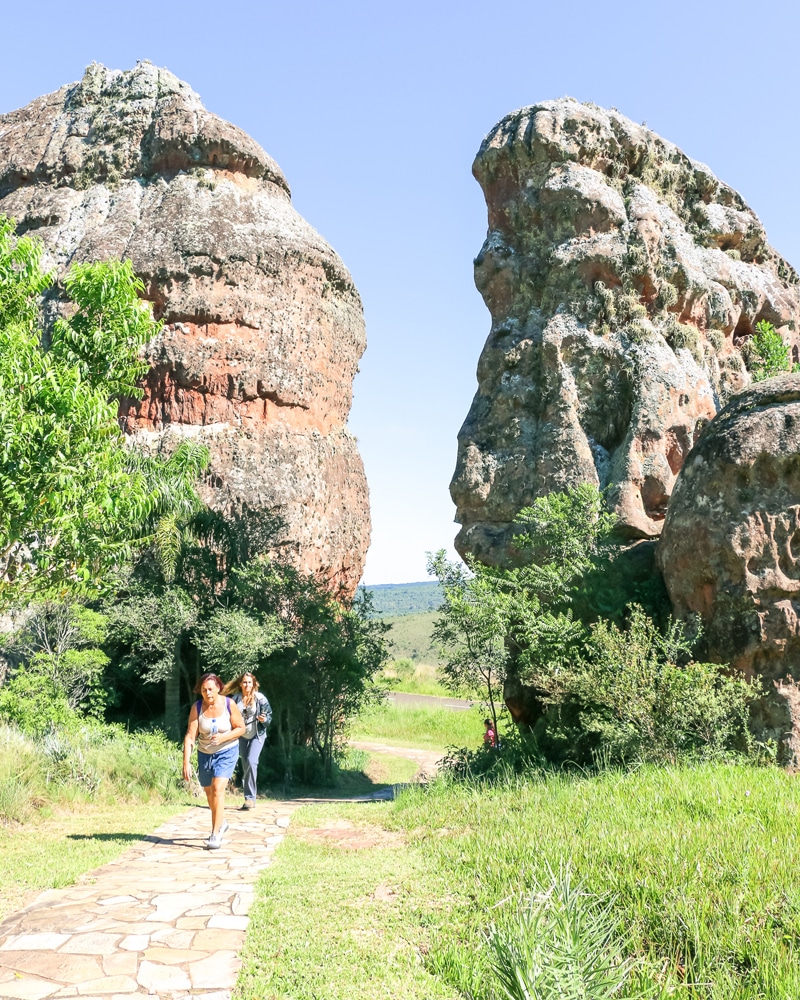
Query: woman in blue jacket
(257, 714)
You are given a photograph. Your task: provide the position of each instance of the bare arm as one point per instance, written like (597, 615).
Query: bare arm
(188, 743)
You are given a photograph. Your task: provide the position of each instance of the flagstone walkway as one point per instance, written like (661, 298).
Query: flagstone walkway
(165, 919)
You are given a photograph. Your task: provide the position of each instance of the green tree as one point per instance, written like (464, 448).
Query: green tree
(177, 612)
(55, 662)
(588, 688)
(322, 675)
(234, 641)
(472, 630)
(151, 632)
(75, 502)
(513, 630)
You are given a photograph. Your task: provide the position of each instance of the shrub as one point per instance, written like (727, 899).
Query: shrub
(31, 702)
(517, 753)
(84, 760)
(768, 354)
(633, 697)
(562, 943)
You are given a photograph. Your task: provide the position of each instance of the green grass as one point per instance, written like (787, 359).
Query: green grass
(701, 861)
(389, 769)
(411, 677)
(699, 865)
(85, 762)
(331, 919)
(55, 849)
(404, 598)
(430, 728)
(410, 637)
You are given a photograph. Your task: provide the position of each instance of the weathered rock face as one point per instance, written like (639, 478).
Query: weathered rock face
(263, 327)
(624, 281)
(730, 549)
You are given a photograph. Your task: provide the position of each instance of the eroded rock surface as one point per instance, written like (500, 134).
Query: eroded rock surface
(624, 281)
(263, 324)
(730, 549)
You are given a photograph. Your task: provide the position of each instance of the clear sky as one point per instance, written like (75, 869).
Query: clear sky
(375, 111)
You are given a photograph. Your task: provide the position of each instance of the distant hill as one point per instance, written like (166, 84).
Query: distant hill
(395, 599)
(410, 637)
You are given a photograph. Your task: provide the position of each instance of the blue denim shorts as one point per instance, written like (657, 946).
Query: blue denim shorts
(217, 765)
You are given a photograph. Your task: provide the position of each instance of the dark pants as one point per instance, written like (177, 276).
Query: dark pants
(249, 752)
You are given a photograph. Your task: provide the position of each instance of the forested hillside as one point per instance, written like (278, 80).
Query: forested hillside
(394, 599)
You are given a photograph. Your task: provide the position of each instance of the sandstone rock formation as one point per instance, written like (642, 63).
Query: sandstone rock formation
(624, 281)
(730, 548)
(263, 327)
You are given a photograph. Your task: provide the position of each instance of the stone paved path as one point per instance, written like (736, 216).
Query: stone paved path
(165, 919)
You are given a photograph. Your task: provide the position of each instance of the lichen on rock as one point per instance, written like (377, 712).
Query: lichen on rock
(263, 326)
(623, 279)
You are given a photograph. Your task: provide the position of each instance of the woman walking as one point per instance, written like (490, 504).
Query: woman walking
(215, 724)
(257, 714)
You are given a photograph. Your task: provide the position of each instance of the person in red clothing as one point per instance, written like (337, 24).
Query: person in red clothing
(489, 736)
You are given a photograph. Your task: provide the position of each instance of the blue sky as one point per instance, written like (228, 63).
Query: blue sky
(375, 112)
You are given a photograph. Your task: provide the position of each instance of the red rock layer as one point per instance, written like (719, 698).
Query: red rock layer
(263, 327)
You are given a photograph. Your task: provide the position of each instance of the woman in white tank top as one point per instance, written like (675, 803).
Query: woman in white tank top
(215, 724)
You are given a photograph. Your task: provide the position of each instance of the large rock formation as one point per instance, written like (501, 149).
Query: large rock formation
(730, 549)
(263, 327)
(624, 281)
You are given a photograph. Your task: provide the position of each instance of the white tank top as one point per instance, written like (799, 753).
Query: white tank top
(207, 727)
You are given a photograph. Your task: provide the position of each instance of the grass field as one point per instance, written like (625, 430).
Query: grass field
(59, 842)
(412, 677)
(419, 726)
(411, 637)
(698, 866)
(405, 598)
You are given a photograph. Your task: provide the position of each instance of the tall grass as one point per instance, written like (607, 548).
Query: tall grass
(560, 943)
(412, 677)
(700, 863)
(89, 761)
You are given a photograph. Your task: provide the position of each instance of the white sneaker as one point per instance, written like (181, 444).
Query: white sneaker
(223, 829)
(214, 842)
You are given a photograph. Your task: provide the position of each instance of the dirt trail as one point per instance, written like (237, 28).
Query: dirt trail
(427, 760)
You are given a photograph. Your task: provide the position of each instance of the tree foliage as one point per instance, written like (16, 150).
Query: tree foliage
(635, 694)
(590, 686)
(56, 665)
(502, 624)
(74, 501)
(322, 674)
(228, 607)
